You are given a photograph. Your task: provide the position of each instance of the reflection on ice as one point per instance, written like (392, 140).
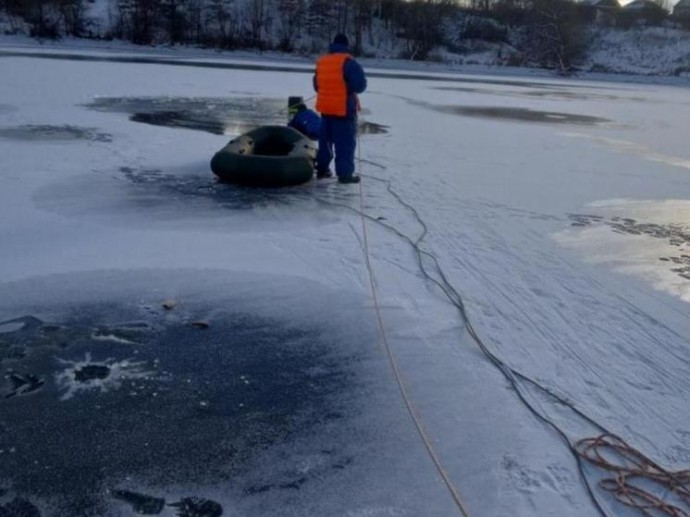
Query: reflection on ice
(148, 196)
(647, 238)
(636, 149)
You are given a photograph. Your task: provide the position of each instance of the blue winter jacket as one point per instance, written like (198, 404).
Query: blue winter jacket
(307, 122)
(355, 79)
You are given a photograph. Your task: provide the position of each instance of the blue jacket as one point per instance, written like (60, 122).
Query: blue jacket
(355, 79)
(307, 122)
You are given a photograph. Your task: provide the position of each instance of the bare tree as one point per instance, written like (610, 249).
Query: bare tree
(664, 4)
(221, 16)
(554, 35)
(290, 15)
(257, 20)
(173, 13)
(43, 18)
(420, 26)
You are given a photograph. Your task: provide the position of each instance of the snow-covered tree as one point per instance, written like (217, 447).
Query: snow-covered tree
(291, 14)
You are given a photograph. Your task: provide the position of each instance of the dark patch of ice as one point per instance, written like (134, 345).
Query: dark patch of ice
(197, 507)
(19, 507)
(214, 399)
(23, 384)
(140, 503)
(167, 188)
(30, 334)
(371, 128)
(215, 115)
(49, 133)
(544, 93)
(155, 197)
(218, 116)
(522, 115)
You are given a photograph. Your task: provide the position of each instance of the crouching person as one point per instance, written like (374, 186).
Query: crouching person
(307, 122)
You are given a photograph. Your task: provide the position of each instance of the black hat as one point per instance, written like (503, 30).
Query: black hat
(341, 39)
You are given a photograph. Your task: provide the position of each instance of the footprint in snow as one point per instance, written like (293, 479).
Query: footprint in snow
(140, 503)
(23, 384)
(143, 504)
(197, 507)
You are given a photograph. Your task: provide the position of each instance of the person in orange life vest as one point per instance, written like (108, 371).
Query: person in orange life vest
(337, 81)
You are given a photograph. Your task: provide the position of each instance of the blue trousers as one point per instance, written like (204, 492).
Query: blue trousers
(339, 133)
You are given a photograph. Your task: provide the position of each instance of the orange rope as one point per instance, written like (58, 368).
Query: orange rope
(601, 450)
(455, 495)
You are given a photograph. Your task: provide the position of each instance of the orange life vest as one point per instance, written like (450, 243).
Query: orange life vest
(331, 97)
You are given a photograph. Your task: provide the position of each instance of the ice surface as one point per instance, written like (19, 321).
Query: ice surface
(555, 235)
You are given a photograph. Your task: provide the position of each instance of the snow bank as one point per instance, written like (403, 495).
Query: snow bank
(640, 50)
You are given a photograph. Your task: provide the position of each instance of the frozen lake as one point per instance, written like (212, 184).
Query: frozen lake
(167, 340)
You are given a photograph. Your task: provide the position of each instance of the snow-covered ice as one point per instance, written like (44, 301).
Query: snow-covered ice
(558, 210)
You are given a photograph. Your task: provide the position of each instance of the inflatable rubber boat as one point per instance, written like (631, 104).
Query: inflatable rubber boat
(269, 156)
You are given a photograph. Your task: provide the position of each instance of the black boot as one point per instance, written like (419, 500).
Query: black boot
(323, 174)
(349, 179)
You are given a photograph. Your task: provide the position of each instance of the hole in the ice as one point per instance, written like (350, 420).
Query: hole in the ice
(217, 116)
(371, 128)
(91, 372)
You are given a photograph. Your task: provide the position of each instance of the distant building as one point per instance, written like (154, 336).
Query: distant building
(682, 10)
(644, 11)
(601, 4)
(601, 11)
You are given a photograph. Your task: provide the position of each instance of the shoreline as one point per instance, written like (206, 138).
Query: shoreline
(117, 50)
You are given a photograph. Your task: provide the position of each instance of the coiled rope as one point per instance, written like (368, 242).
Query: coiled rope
(635, 466)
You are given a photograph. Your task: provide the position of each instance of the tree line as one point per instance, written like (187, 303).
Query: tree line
(550, 33)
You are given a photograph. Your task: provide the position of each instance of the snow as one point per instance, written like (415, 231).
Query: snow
(634, 248)
(640, 50)
(525, 200)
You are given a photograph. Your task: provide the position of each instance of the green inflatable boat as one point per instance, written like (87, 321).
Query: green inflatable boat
(269, 156)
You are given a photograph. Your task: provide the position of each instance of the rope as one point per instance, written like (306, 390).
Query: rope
(584, 450)
(290, 106)
(635, 465)
(454, 297)
(455, 495)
